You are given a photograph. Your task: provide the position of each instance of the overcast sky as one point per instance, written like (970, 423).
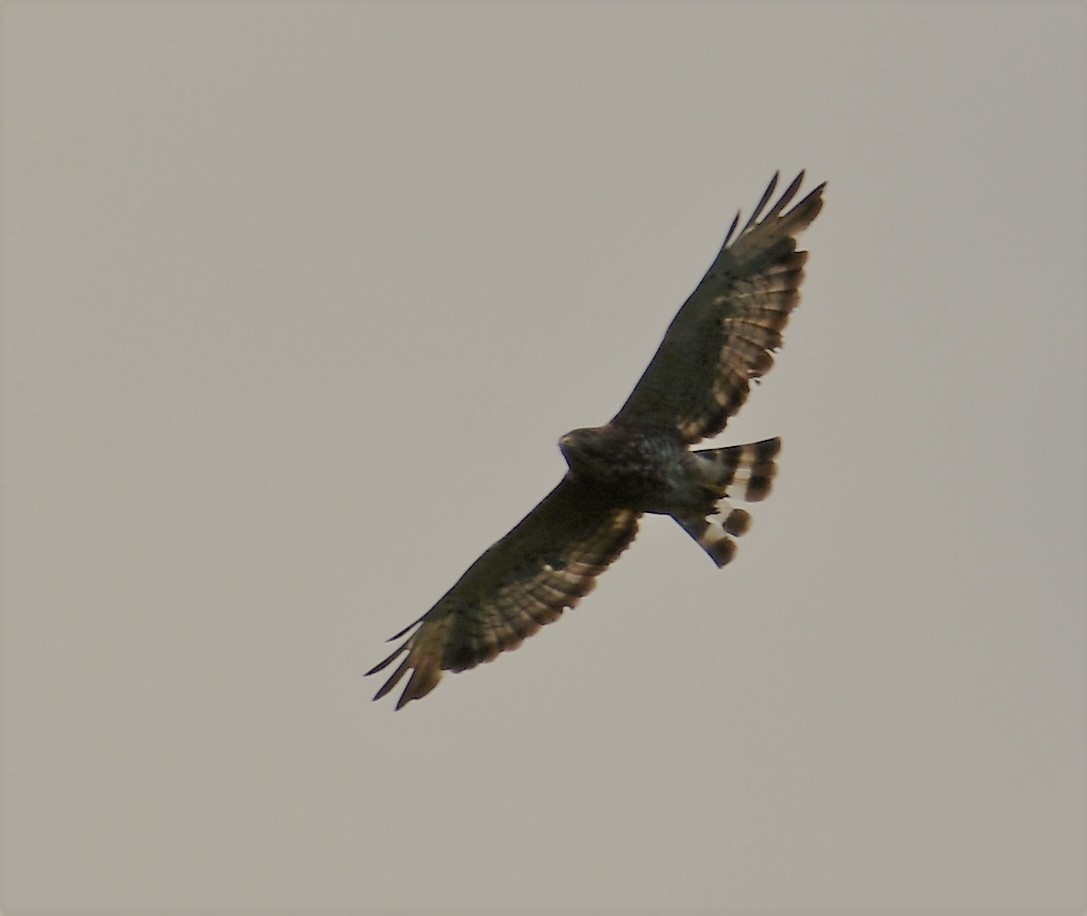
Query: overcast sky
(297, 299)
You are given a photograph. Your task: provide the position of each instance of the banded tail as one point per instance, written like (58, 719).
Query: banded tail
(740, 471)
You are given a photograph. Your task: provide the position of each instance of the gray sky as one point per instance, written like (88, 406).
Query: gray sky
(297, 299)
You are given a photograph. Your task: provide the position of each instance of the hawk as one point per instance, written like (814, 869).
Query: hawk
(641, 461)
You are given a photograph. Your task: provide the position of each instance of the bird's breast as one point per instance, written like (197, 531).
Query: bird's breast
(634, 467)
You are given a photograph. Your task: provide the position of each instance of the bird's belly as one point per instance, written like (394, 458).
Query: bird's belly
(648, 473)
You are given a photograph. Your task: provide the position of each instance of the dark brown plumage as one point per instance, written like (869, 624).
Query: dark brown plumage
(640, 462)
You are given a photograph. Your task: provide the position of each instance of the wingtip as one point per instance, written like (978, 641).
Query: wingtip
(386, 661)
(394, 678)
(731, 229)
(396, 636)
(423, 679)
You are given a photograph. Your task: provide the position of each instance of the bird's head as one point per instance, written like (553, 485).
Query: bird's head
(588, 450)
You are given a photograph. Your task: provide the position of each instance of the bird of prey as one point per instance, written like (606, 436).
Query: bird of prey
(639, 462)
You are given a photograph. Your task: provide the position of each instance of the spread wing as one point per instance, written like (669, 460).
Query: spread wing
(538, 570)
(723, 335)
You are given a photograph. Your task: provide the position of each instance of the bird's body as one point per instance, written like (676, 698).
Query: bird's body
(643, 470)
(654, 472)
(640, 462)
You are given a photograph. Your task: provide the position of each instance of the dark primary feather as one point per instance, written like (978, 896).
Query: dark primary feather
(724, 334)
(541, 568)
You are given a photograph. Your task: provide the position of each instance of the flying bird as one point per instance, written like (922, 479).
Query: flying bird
(639, 462)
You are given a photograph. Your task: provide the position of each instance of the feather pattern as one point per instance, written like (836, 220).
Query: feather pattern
(725, 333)
(543, 567)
